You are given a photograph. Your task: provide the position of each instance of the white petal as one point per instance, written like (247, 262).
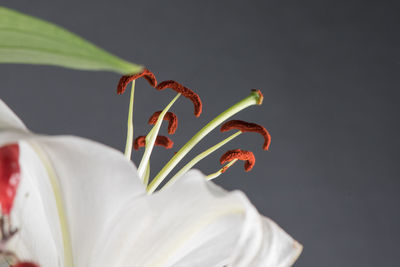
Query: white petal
(8, 119)
(193, 223)
(278, 248)
(264, 243)
(92, 180)
(35, 214)
(95, 181)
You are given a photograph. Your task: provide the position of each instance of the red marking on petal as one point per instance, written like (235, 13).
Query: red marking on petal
(186, 92)
(10, 176)
(170, 117)
(161, 140)
(25, 264)
(248, 127)
(239, 154)
(126, 79)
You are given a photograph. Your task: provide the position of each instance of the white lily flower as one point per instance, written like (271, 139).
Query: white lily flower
(82, 204)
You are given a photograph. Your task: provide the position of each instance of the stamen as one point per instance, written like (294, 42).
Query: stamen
(248, 127)
(239, 154)
(169, 116)
(126, 79)
(252, 99)
(186, 92)
(10, 175)
(151, 138)
(164, 141)
(199, 157)
(129, 129)
(220, 171)
(223, 169)
(139, 142)
(160, 141)
(146, 175)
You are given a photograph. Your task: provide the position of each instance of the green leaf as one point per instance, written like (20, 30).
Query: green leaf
(28, 40)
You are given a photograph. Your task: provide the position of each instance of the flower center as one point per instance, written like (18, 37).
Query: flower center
(153, 138)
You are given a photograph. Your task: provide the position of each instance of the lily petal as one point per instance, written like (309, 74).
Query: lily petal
(91, 181)
(35, 214)
(70, 188)
(95, 181)
(268, 246)
(8, 119)
(193, 223)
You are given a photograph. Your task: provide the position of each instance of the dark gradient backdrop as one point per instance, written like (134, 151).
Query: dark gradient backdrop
(329, 71)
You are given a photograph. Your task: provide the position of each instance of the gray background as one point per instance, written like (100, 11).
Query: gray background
(329, 71)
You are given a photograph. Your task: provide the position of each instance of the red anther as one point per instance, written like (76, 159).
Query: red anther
(239, 154)
(164, 141)
(139, 142)
(25, 264)
(10, 176)
(186, 92)
(169, 116)
(126, 79)
(248, 127)
(160, 141)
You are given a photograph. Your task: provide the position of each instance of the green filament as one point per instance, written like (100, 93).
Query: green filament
(129, 134)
